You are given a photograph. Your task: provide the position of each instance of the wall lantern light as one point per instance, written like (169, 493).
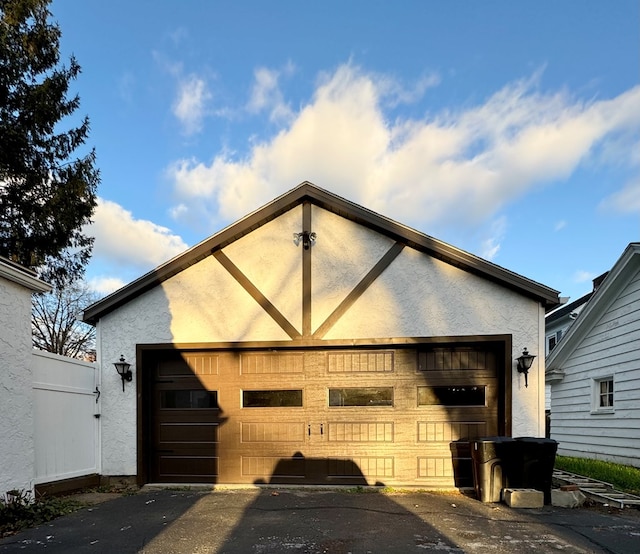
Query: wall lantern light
(524, 364)
(308, 239)
(124, 370)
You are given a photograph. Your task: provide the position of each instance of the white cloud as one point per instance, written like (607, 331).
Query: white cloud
(582, 276)
(491, 246)
(266, 94)
(124, 240)
(626, 200)
(105, 285)
(560, 225)
(469, 162)
(179, 211)
(396, 93)
(191, 103)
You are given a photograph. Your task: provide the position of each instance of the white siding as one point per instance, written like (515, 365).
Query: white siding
(610, 348)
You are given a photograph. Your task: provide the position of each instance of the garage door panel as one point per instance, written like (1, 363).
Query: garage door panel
(445, 471)
(270, 431)
(267, 467)
(457, 358)
(189, 365)
(188, 432)
(360, 431)
(272, 363)
(187, 468)
(371, 468)
(360, 361)
(360, 416)
(450, 431)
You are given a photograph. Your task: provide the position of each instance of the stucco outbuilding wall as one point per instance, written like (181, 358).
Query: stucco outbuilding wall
(417, 296)
(16, 395)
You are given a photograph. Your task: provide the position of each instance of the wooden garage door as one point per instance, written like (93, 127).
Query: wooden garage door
(343, 416)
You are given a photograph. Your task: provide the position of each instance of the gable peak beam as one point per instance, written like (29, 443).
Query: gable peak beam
(306, 272)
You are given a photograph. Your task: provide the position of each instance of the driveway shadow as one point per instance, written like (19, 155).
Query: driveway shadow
(123, 525)
(274, 519)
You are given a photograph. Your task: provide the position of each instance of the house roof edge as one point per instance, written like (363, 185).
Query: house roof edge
(22, 276)
(307, 191)
(593, 308)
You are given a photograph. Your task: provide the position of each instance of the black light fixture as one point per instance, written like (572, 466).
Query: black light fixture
(307, 238)
(524, 365)
(124, 370)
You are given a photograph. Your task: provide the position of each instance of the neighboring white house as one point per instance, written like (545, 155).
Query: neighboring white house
(558, 321)
(315, 341)
(594, 371)
(17, 452)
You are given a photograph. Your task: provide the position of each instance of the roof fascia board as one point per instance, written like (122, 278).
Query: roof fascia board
(342, 207)
(616, 280)
(194, 254)
(434, 247)
(22, 276)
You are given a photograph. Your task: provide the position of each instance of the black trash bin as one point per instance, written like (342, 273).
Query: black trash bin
(491, 457)
(533, 462)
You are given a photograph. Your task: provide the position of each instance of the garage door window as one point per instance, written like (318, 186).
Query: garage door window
(451, 396)
(272, 398)
(188, 399)
(369, 396)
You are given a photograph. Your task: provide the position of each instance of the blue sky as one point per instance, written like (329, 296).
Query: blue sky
(507, 129)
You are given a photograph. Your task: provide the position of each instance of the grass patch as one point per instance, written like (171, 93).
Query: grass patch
(624, 478)
(19, 510)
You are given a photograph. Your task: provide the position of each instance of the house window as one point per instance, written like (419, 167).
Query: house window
(603, 400)
(552, 341)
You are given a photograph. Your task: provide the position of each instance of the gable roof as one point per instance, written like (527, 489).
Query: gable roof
(559, 313)
(615, 281)
(307, 192)
(555, 315)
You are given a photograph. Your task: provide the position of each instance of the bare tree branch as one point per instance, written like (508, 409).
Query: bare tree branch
(56, 322)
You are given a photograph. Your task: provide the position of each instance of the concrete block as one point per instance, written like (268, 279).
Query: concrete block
(523, 498)
(567, 499)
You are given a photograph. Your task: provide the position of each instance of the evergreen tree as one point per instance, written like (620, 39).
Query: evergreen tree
(47, 190)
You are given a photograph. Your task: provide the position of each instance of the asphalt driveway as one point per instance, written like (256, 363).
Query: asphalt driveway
(268, 521)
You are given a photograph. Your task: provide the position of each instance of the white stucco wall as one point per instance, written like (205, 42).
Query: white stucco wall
(16, 400)
(416, 296)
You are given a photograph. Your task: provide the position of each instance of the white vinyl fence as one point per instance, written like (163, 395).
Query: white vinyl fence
(65, 417)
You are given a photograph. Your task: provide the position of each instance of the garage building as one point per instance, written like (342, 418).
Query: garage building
(317, 342)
